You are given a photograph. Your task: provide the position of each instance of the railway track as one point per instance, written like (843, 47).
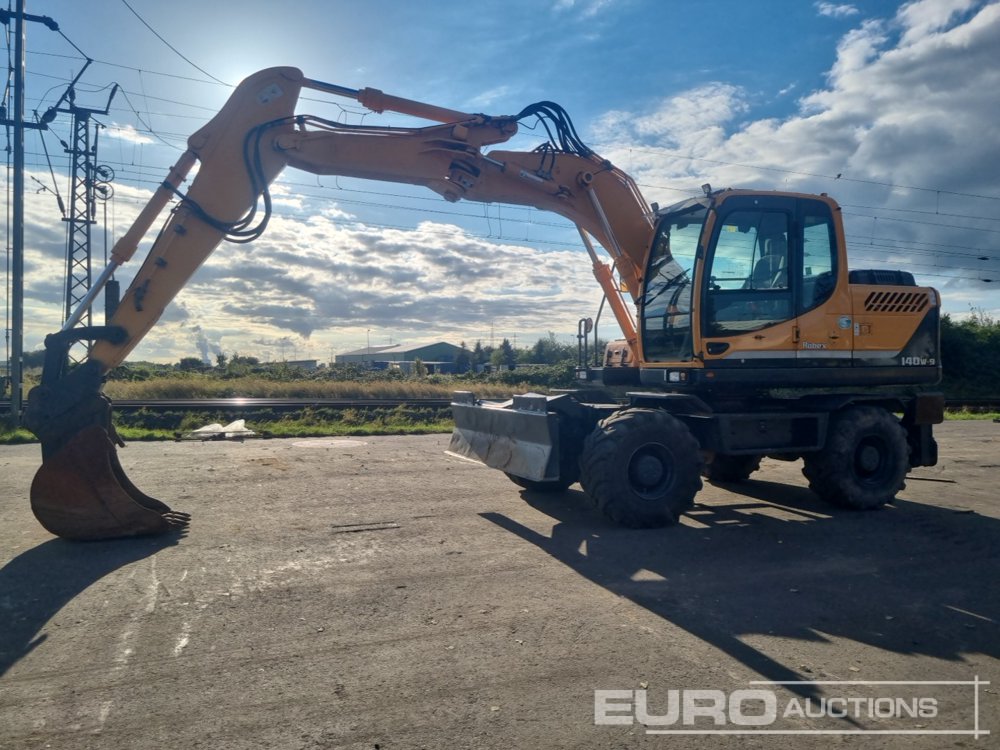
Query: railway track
(292, 404)
(276, 404)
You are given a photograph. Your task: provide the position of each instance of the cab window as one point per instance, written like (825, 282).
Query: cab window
(666, 298)
(819, 258)
(747, 278)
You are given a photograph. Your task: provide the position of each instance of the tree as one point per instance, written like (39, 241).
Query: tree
(419, 368)
(220, 360)
(34, 358)
(548, 351)
(970, 355)
(187, 364)
(240, 365)
(463, 360)
(504, 356)
(479, 355)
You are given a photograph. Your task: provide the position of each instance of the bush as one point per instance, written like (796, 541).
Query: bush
(970, 356)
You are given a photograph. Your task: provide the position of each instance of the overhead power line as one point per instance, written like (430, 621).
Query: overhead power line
(837, 177)
(661, 153)
(190, 79)
(856, 249)
(964, 228)
(172, 47)
(307, 190)
(923, 212)
(71, 44)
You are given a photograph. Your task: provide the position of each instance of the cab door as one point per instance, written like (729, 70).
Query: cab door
(825, 324)
(748, 306)
(771, 271)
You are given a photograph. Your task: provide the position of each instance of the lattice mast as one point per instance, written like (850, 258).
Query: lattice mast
(86, 180)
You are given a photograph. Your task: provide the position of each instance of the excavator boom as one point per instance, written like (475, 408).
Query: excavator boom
(81, 491)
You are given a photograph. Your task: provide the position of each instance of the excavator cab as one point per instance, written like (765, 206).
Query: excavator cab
(746, 288)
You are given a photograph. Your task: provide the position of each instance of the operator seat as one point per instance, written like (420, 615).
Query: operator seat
(771, 271)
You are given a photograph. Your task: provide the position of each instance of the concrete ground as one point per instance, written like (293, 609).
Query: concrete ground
(377, 593)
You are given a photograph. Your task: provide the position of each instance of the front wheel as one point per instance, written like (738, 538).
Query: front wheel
(641, 467)
(865, 460)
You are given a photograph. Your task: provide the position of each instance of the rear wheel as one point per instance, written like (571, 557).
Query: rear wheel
(865, 460)
(641, 467)
(723, 468)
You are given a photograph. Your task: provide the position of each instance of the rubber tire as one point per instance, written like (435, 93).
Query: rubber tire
(641, 468)
(723, 468)
(865, 461)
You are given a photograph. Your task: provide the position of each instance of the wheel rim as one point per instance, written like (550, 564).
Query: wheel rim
(650, 471)
(871, 460)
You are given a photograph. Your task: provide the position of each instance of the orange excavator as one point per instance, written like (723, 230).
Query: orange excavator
(736, 293)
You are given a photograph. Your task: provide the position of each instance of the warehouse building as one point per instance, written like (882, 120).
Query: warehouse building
(438, 356)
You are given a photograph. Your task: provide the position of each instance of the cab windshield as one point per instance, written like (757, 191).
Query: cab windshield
(666, 295)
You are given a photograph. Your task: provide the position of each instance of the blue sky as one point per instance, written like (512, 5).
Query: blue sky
(899, 99)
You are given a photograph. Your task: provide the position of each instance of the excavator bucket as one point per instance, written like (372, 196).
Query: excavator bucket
(81, 492)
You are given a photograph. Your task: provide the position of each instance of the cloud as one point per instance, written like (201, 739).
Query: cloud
(318, 281)
(833, 10)
(128, 133)
(907, 118)
(908, 101)
(925, 17)
(488, 98)
(584, 8)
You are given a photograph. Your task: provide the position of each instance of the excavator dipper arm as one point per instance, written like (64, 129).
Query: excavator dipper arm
(81, 491)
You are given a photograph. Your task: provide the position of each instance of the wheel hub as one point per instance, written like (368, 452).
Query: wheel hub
(869, 459)
(649, 471)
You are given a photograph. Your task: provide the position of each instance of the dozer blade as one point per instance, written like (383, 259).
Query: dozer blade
(519, 437)
(81, 492)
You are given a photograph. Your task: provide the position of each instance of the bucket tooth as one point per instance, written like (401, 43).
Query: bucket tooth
(81, 492)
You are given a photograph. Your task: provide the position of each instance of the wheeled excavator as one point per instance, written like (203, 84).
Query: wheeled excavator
(750, 336)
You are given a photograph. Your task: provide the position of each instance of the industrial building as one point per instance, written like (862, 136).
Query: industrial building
(438, 356)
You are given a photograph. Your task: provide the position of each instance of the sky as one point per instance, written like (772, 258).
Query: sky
(890, 107)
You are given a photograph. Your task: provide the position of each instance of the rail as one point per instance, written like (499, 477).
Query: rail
(289, 404)
(278, 404)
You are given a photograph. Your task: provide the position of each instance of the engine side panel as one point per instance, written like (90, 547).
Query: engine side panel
(896, 326)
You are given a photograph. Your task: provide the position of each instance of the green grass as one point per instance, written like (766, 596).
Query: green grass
(196, 386)
(966, 415)
(299, 429)
(276, 429)
(305, 422)
(9, 436)
(402, 420)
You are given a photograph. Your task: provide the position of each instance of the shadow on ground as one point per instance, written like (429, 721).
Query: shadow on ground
(910, 578)
(38, 583)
